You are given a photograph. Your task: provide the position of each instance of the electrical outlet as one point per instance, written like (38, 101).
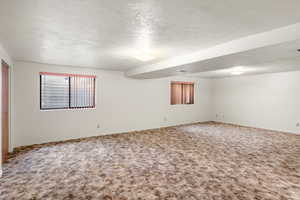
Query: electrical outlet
(98, 125)
(298, 124)
(165, 119)
(217, 115)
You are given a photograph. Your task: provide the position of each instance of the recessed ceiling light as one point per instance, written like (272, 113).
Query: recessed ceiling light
(181, 70)
(144, 55)
(238, 70)
(237, 73)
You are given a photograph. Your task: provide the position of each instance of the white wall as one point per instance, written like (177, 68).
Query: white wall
(122, 104)
(3, 56)
(270, 101)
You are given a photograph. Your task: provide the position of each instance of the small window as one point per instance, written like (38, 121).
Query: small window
(66, 91)
(182, 93)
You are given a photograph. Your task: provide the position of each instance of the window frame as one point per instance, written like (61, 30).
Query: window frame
(182, 92)
(69, 76)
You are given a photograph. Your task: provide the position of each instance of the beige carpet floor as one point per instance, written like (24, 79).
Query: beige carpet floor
(200, 161)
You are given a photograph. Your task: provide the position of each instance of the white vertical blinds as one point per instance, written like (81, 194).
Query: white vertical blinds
(82, 92)
(63, 91)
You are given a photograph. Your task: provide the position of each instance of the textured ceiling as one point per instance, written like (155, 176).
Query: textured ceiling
(105, 33)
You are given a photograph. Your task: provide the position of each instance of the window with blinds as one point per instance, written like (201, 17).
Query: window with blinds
(66, 91)
(182, 93)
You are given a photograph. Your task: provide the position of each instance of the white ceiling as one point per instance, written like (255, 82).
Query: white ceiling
(268, 67)
(106, 33)
(271, 55)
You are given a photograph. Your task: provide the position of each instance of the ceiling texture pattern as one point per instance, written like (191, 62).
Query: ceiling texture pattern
(109, 34)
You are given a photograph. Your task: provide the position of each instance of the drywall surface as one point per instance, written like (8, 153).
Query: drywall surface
(122, 104)
(269, 101)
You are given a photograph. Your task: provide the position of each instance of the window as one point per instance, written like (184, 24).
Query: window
(182, 93)
(66, 91)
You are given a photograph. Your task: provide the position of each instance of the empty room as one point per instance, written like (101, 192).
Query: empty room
(150, 100)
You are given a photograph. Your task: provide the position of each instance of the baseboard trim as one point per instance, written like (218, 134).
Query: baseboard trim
(23, 149)
(252, 127)
(20, 149)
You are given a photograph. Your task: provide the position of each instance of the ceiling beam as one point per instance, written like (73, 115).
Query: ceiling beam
(262, 40)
